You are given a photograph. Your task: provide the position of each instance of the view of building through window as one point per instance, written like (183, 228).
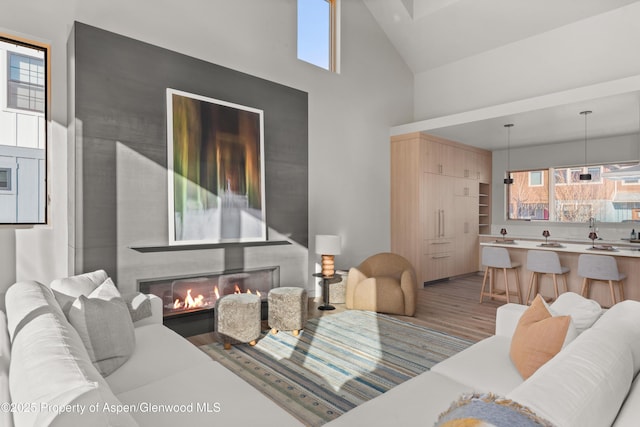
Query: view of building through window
(557, 194)
(23, 131)
(317, 32)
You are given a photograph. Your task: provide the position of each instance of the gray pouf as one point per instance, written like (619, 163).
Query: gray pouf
(238, 318)
(287, 309)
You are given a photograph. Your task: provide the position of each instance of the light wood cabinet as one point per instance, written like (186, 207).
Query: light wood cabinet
(435, 204)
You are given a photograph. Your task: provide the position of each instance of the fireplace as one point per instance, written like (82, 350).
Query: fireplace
(189, 301)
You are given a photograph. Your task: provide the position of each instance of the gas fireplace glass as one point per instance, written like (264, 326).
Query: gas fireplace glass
(193, 293)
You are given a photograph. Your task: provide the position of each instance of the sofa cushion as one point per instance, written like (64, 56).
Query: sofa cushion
(538, 337)
(203, 394)
(584, 312)
(582, 386)
(630, 411)
(622, 320)
(485, 366)
(67, 289)
(416, 402)
(49, 365)
(159, 351)
(106, 329)
(5, 353)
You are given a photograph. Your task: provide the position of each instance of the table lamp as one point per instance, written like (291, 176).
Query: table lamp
(328, 245)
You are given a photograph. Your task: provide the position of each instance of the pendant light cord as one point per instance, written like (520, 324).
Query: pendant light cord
(509, 126)
(585, 114)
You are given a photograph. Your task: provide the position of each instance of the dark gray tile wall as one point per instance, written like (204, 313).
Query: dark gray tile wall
(117, 94)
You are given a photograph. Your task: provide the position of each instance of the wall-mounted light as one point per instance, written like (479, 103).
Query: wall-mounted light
(508, 180)
(585, 176)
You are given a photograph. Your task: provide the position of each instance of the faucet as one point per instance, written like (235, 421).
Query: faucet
(592, 223)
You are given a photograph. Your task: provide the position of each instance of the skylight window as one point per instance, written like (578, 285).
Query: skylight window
(317, 33)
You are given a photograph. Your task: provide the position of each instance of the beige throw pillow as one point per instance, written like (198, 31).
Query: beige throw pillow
(537, 338)
(105, 327)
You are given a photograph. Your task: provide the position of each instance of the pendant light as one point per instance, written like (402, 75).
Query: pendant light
(508, 180)
(585, 176)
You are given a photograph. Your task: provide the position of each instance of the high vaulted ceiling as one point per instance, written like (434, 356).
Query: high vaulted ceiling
(433, 33)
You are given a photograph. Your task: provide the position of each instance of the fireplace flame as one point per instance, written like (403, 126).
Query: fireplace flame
(238, 291)
(216, 293)
(190, 302)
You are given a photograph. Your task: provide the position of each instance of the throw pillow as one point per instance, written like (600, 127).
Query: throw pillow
(537, 338)
(106, 330)
(139, 305)
(584, 312)
(488, 410)
(67, 289)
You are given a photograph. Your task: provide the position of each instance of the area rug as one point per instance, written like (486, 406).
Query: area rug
(338, 362)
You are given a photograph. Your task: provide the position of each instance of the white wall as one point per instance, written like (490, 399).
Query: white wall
(349, 114)
(591, 51)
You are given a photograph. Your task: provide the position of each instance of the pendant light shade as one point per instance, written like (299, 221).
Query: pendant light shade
(585, 176)
(508, 180)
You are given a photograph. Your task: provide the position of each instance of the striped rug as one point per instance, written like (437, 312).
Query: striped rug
(338, 362)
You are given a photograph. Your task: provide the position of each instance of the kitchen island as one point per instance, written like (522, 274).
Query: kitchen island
(627, 257)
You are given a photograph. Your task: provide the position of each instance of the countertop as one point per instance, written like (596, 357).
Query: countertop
(601, 247)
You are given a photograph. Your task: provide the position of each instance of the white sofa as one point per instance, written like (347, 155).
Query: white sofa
(592, 381)
(48, 378)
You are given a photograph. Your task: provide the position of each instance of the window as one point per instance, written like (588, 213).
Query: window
(25, 86)
(565, 198)
(24, 105)
(535, 178)
(5, 179)
(317, 32)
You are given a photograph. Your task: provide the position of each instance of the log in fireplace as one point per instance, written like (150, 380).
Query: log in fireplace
(189, 301)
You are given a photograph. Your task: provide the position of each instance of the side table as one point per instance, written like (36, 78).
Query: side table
(326, 281)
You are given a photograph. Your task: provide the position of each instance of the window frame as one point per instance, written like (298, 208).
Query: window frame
(334, 36)
(8, 188)
(28, 84)
(599, 200)
(531, 172)
(46, 116)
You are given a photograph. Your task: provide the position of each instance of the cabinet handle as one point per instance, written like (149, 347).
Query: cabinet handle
(443, 225)
(440, 243)
(439, 167)
(466, 173)
(440, 257)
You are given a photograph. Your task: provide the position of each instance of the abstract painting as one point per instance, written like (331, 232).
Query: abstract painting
(215, 159)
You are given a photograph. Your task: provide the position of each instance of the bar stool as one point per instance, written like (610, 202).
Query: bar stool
(494, 258)
(600, 268)
(541, 263)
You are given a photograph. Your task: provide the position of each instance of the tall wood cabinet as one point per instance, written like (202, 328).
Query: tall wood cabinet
(436, 203)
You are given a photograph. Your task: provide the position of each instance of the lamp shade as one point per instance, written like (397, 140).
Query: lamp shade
(327, 244)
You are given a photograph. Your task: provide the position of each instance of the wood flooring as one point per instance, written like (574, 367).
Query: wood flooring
(450, 306)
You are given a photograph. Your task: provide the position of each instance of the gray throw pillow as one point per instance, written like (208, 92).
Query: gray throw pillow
(106, 330)
(139, 305)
